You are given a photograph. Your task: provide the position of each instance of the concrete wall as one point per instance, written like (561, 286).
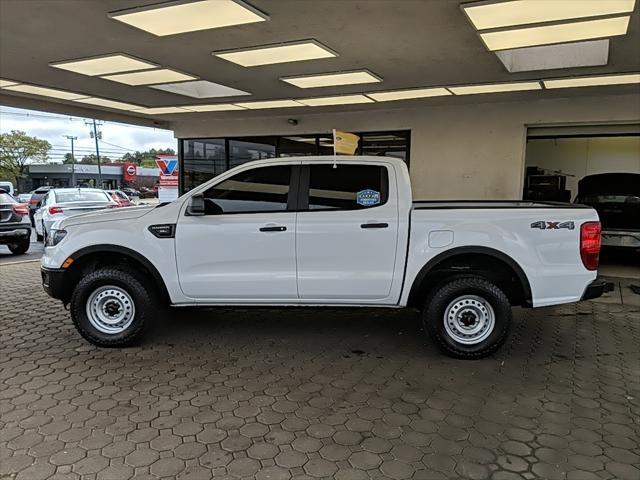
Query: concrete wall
(578, 157)
(470, 151)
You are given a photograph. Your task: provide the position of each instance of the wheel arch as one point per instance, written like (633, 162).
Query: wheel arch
(107, 254)
(443, 266)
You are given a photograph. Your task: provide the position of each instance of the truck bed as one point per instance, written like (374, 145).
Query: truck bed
(490, 204)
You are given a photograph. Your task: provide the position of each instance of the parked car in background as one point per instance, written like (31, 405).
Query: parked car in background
(331, 231)
(616, 198)
(7, 187)
(24, 198)
(15, 227)
(130, 192)
(148, 193)
(34, 201)
(120, 198)
(61, 203)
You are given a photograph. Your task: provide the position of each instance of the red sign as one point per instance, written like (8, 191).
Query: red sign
(129, 172)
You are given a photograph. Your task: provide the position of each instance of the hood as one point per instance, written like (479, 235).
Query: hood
(124, 213)
(610, 184)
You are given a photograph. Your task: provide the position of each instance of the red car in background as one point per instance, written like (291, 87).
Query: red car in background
(120, 198)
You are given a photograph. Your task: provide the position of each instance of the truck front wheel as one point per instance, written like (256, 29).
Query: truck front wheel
(468, 317)
(110, 307)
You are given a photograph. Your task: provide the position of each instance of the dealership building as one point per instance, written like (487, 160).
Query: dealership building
(476, 97)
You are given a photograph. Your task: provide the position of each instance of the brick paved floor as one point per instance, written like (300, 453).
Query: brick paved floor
(272, 394)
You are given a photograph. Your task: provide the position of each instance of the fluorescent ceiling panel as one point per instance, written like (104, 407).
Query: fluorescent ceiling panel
(592, 53)
(150, 77)
(103, 102)
(408, 94)
(45, 92)
(6, 83)
(332, 79)
(593, 81)
(170, 18)
(560, 33)
(216, 107)
(340, 100)
(268, 55)
(161, 110)
(201, 89)
(270, 104)
(104, 65)
(522, 12)
(495, 88)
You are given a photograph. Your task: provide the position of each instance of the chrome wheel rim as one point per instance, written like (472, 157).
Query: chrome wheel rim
(110, 309)
(469, 319)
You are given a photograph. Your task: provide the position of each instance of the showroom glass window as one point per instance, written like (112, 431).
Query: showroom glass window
(202, 159)
(347, 187)
(243, 150)
(264, 189)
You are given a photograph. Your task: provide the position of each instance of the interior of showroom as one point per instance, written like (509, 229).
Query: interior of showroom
(473, 95)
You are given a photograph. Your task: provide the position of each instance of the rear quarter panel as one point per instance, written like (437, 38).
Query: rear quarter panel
(550, 258)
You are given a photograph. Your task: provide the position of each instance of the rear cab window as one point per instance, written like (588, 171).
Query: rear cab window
(345, 187)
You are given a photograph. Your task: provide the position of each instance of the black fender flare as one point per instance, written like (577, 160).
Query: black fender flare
(92, 249)
(491, 252)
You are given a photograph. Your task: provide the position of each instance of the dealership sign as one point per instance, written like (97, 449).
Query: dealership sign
(168, 178)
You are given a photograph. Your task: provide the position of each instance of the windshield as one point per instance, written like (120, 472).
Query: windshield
(81, 196)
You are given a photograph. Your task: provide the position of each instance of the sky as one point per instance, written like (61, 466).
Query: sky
(117, 138)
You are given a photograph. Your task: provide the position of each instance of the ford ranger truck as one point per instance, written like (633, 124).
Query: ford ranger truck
(323, 231)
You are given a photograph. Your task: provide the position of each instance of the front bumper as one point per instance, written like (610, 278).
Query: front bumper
(14, 232)
(596, 289)
(53, 282)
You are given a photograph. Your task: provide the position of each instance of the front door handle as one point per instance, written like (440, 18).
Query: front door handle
(374, 225)
(273, 229)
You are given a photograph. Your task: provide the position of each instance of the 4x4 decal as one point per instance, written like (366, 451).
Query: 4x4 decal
(545, 225)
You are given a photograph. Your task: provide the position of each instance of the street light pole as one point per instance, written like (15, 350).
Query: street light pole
(95, 137)
(73, 160)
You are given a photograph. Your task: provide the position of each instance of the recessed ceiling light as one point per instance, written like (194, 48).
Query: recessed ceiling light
(559, 33)
(181, 16)
(6, 83)
(200, 89)
(161, 110)
(150, 77)
(283, 53)
(593, 81)
(103, 102)
(45, 92)
(104, 64)
(407, 94)
(270, 104)
(340, 100)
(495, 88)
(521, 12)
(216, 107)
(332, 79)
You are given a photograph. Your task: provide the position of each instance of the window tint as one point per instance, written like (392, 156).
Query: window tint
(347, 187)
(264, 189)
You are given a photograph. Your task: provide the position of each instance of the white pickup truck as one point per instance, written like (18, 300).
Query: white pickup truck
(324, 231)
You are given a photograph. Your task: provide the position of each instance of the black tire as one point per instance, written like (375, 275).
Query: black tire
(19, 247)
(433, 316)
(44, 234)
(39, 237)
(126, 280)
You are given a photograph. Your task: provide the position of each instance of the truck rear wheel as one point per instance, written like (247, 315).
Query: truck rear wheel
(468, 317)
(111, 307)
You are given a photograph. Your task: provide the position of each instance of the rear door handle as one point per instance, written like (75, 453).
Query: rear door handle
(273, 229)
(374, 225)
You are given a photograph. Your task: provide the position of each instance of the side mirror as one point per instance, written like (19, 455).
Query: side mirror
(195, 207)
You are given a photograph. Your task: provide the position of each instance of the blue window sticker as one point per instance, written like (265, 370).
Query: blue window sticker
(368, 198)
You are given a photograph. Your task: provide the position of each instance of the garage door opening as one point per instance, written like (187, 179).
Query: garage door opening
(599, 166)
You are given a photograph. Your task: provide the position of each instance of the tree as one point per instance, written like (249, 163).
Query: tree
(93, 159)
(68, 158)
(148, 157)
(17, 149)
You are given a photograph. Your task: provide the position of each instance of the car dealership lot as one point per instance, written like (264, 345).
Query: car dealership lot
(265, 393)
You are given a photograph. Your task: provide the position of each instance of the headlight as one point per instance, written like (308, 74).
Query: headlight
(55, 237)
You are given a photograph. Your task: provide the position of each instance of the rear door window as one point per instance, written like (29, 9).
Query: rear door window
(347, 187)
